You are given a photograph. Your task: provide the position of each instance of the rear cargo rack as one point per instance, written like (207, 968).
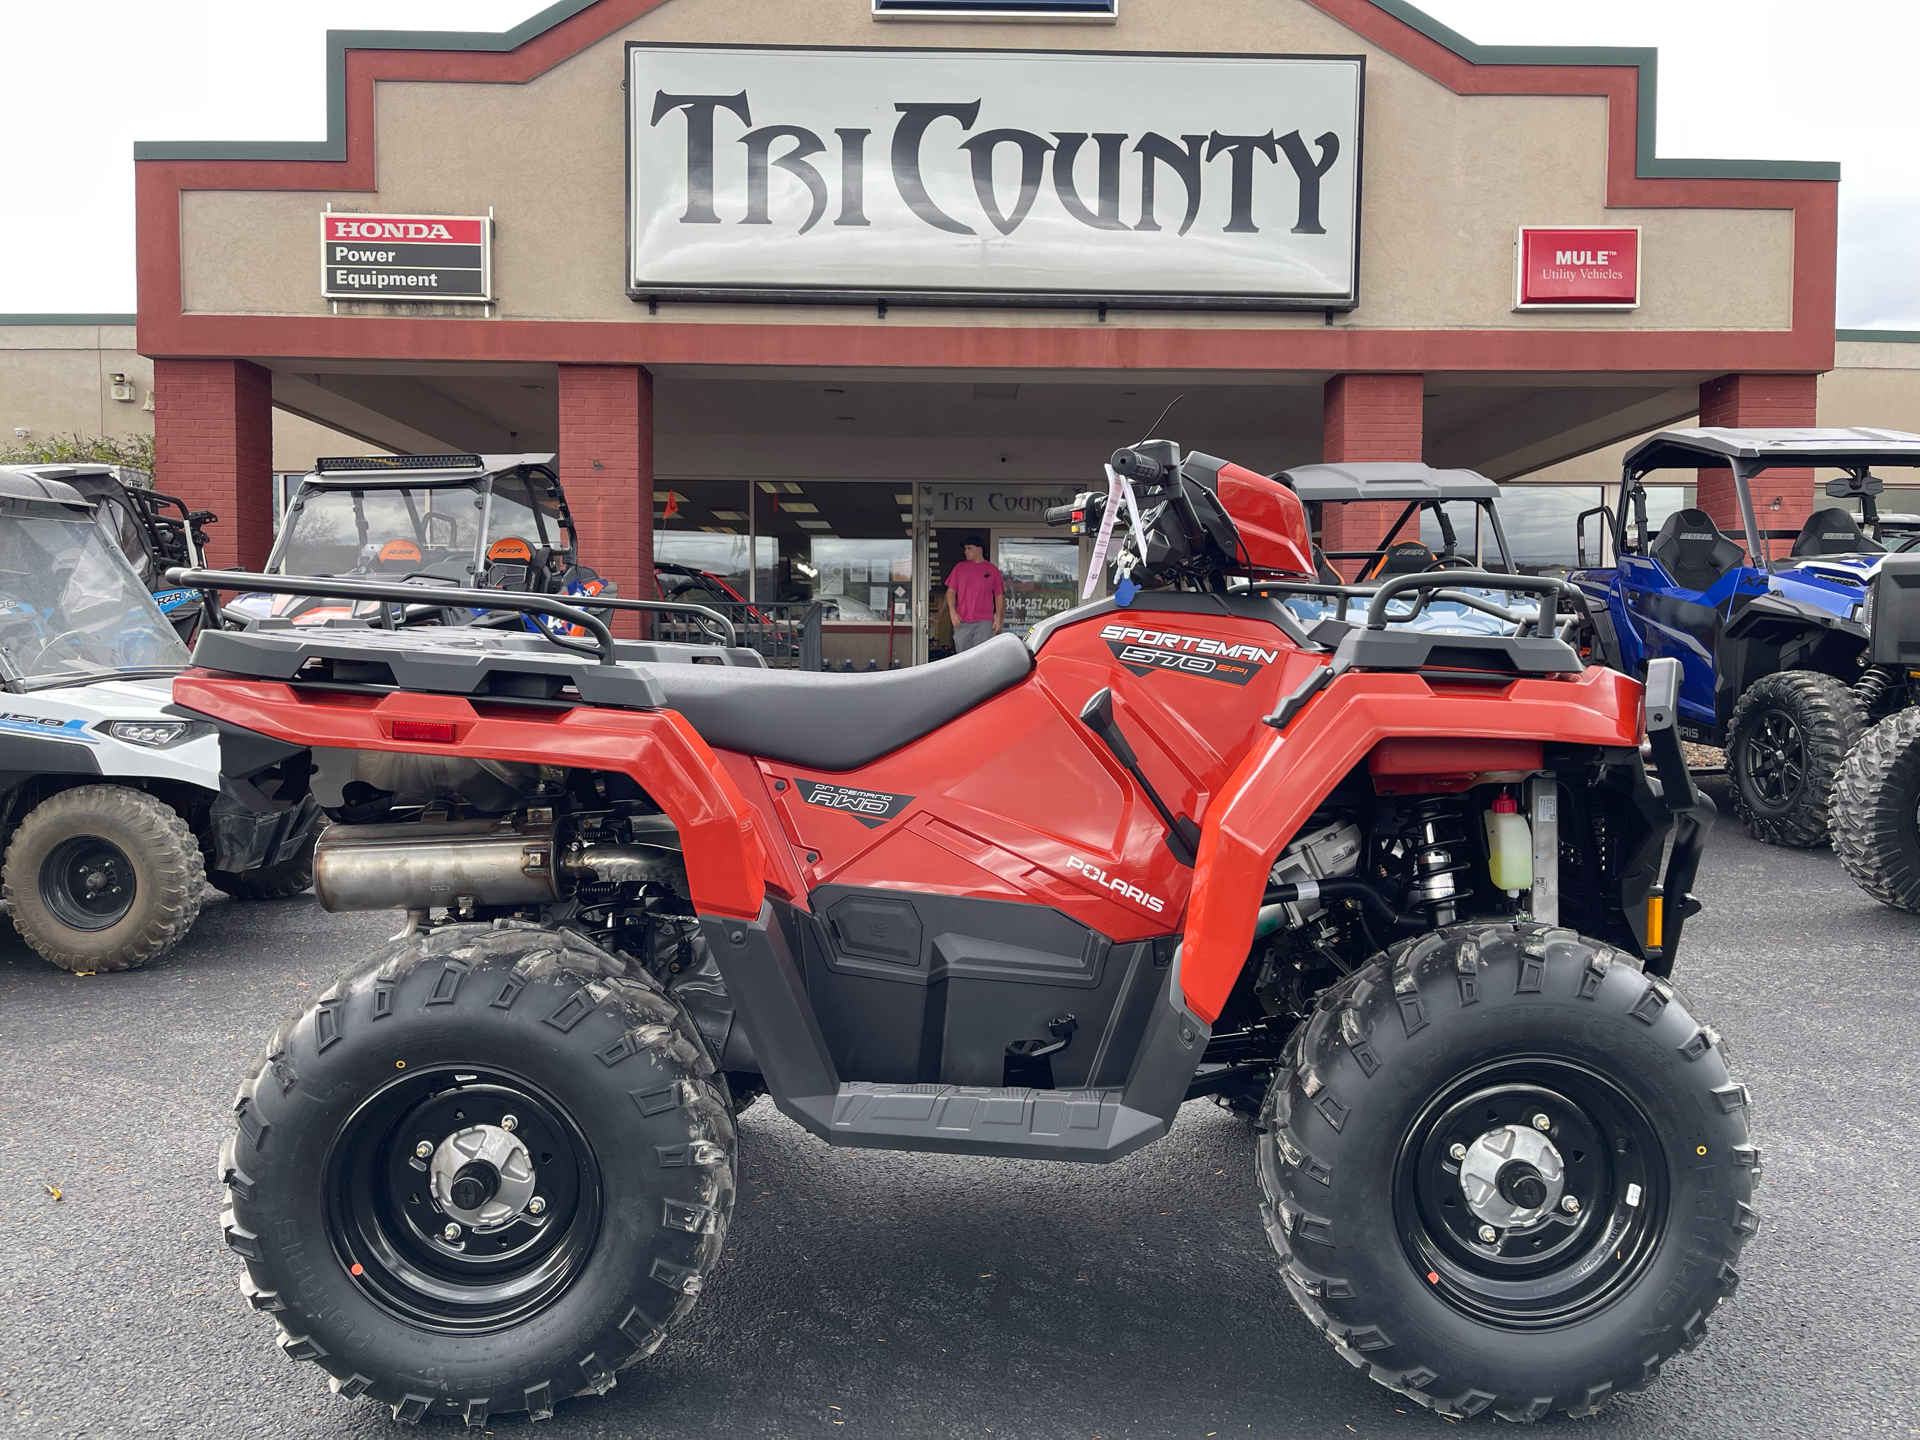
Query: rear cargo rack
(562, 607)
(1375, 646)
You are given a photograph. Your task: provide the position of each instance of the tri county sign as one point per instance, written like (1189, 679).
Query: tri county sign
(994, 175)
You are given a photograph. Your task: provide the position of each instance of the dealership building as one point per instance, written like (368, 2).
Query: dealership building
(807, 293)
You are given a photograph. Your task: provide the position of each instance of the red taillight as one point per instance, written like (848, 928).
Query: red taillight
(439, 732)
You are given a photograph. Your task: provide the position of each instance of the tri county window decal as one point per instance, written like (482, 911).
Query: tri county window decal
(1007, 175)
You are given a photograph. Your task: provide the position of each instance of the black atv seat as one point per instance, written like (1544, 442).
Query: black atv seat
(836, 722)
(1408, 557)
(1694, 551)
(1833, 532)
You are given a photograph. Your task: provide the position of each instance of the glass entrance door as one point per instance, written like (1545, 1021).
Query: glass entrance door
(1042, 577)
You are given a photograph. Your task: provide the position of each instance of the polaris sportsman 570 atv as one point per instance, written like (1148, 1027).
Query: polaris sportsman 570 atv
(114, 809)
(1407, 896)
(1774, 653)
(484, 522)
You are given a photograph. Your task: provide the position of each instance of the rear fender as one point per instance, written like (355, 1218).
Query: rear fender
(1286, 776)
(1771, 633)
(720, 833)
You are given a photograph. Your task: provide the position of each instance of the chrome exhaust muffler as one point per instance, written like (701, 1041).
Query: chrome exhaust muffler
(456, 864)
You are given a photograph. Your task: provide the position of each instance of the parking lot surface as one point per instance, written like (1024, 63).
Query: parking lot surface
(900, 1295)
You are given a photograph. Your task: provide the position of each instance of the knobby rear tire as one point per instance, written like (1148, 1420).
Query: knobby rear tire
(613, 1056)
(1366, 1072)
(1876, 812)
(1827, 717)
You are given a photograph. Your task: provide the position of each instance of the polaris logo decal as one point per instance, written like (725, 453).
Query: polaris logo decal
(1151, 903)
(1144, 650)
(46, 725)
(872, 808)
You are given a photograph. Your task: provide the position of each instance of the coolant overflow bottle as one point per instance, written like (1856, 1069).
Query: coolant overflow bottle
(1509, 846)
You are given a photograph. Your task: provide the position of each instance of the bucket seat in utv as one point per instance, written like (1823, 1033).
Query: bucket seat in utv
(836, 722)
(1694, 551)
(1832, 532)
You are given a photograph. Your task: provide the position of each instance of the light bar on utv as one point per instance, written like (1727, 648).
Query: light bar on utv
(561, 607)
(350, 464)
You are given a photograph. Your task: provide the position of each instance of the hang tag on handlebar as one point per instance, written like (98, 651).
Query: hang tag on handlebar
(1124, 592)
(1107, 516)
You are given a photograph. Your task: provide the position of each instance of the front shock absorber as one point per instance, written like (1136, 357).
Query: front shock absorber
(1872, 687)
(1437, 839)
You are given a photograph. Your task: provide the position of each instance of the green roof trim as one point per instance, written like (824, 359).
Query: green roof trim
(1880, 337)
(68, 319)
(339, 42)
(1648, 165)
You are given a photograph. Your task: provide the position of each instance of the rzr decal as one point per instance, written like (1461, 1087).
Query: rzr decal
(1144, 650)
(1114, 883)
(872, 808)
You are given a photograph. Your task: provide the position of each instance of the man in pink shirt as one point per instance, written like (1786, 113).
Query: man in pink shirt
(976, 596)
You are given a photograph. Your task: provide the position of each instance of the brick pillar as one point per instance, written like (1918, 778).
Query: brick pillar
(213, 447)
(1765, 401)
(1367, 417)
(606, 467)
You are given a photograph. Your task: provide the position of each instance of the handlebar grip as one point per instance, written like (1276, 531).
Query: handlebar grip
(1061, 514)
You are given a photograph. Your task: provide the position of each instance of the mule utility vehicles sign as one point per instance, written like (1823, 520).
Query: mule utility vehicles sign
(406, 257)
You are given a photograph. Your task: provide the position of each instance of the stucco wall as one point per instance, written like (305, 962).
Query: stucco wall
(1875, 384)
(1446, 181)
(54, 381)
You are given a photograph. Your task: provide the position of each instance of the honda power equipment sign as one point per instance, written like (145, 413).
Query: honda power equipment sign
(1585, 269)
(406, 257)
(967, 175)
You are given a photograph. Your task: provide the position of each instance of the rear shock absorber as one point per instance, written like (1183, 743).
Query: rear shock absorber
(1437, 838)
(1872, 687)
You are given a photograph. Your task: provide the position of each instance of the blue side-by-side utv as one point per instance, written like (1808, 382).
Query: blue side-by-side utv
(1775, 649)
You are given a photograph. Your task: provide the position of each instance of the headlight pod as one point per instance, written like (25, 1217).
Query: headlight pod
(157, 734)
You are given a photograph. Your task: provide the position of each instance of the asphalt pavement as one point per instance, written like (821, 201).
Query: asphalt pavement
(874, 1294)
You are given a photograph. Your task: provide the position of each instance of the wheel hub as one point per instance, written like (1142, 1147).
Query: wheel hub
(87, 882)
(1512, 1177)
(483, 1177)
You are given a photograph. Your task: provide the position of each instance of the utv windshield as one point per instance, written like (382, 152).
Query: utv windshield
(385, 532)
(71, 608)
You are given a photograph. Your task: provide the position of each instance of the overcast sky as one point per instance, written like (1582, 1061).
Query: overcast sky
(1763, 79)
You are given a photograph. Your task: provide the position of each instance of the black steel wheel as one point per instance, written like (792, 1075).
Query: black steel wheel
(484, 1172)
(393, 1228)
(1505, 1170)
(88, 883)
(102, 877)
(1578, 1189)
(1789, 735)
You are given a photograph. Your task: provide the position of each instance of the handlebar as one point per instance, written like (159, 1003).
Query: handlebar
(567, 608)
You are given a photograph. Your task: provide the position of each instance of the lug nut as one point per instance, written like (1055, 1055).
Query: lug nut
(1488, 1235)
(423, 1150)
(451, 1233)
(1542, 1123)
(537, 1205)
(1570, 1205)
(1457, 1151)
(509, 1122)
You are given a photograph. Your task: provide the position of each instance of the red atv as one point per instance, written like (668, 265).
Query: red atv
(1410, 898)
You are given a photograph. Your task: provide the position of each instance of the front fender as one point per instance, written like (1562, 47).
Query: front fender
(1286, 776)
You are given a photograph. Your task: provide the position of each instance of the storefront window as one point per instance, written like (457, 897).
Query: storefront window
(864, 580)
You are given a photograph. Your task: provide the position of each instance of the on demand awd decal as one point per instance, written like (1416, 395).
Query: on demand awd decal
(1144, 650)
(872, 808)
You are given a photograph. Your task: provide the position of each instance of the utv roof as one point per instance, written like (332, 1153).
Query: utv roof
(124, 474)
(1385, 480)
(24, 482)
(414, 469)
(1757, 449)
